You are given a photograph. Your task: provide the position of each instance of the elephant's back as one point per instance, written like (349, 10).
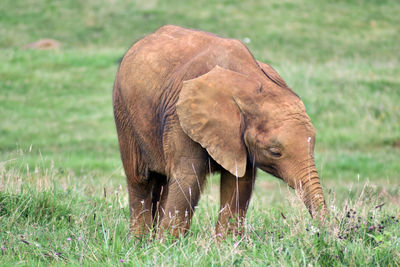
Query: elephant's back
(161, 53)
(149, 65)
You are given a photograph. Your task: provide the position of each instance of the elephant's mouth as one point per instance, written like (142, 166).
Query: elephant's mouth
(270, 169)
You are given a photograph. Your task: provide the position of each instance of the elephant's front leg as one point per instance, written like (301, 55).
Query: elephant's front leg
(184, 189)
(235, 198)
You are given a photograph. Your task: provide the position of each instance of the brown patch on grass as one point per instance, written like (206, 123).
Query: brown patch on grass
(44, 44)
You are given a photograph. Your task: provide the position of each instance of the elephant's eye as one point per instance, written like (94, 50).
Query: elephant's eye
(275, 152)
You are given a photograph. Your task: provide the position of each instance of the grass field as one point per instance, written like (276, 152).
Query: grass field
(63, 197)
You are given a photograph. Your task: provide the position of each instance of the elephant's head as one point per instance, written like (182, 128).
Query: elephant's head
(240, 120)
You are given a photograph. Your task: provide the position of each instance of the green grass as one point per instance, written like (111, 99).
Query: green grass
(59, 218)
(59, 151)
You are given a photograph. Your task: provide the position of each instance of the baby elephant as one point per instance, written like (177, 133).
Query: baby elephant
(188, 103)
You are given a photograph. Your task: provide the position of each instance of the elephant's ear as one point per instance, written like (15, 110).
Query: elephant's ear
(209, 115)
(272, 74)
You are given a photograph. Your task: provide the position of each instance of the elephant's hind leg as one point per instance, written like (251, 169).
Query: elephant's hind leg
(139, 185)
(139, 188)
(140, 205)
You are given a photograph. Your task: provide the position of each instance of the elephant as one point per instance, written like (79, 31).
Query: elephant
(188, 103)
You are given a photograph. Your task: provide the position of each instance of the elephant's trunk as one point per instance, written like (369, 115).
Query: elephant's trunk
(308, 185)
(311, 191)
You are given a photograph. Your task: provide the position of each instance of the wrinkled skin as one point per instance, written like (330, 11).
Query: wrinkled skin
(187, 103)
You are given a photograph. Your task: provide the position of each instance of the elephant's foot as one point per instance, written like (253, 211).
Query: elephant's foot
(140, 224)
(174, 225)
(229, 224)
